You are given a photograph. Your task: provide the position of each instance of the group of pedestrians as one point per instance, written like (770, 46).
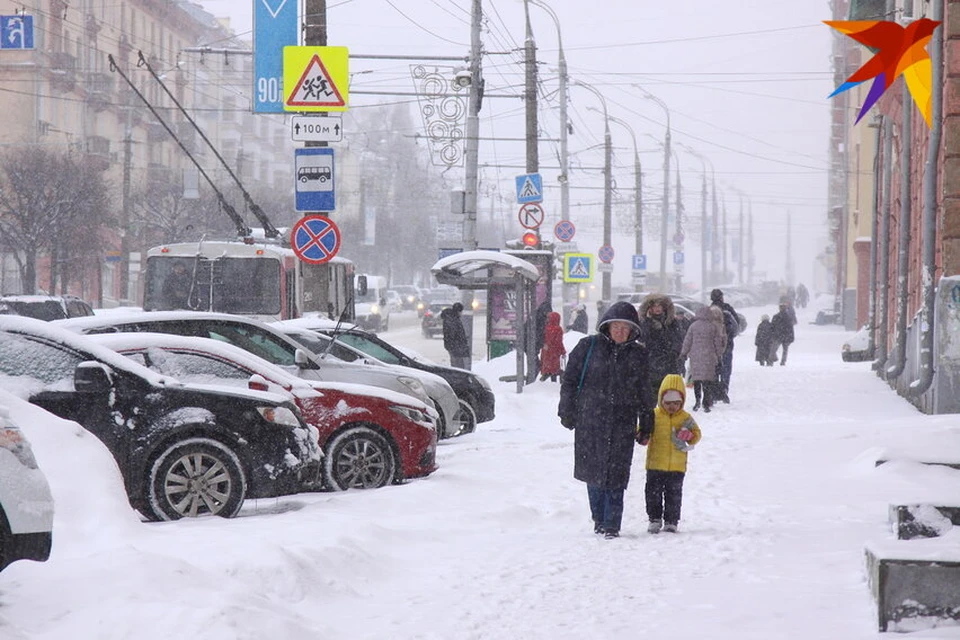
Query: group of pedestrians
(775, 334)
(625, 385)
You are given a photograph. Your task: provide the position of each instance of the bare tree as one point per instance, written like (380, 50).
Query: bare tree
(50, 202)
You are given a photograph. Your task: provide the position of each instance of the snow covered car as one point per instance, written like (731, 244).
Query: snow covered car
(283, 349)
(371, 437)
(183, 449)
(473, 392)
(44, 307)
(857, 348)
(26, 505)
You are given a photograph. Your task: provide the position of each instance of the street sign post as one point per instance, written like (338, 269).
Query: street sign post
(16, 32)
(578, 267)
(314, 179)
(531, 216)
(529, 188)
(606, 253)
(275, 26)
(316, 129)
(315, 239)
(316, 78)
(640, 263)
(564, 231)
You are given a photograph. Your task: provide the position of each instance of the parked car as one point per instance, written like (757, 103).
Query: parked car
(304, 355)
(46, 307)
(26, 505)
(409, 296)
(472, 390)
(183, 450)
(370, 437)
(353, 365)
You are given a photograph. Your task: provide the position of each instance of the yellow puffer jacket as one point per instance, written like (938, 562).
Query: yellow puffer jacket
(662, 455)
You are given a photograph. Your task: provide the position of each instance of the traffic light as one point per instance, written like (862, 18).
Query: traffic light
(530, 239)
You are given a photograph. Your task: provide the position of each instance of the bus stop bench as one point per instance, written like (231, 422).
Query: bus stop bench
(911, 521)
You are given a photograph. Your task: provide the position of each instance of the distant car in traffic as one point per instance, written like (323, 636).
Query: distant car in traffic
(183, 450)
(430, 323)
(371, 437)
(372, 310)
(26, 504)
(409, 296)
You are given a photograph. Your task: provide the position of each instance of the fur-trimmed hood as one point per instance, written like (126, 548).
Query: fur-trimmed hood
(668, 310)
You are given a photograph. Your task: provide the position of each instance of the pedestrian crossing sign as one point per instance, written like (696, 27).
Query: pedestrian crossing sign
(529, 188)
(578, 267)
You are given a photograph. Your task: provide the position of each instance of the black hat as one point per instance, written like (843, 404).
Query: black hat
(716, 295)
(457, 307)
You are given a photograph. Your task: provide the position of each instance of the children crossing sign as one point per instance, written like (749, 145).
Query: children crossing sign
(578, 267)
(315, 78)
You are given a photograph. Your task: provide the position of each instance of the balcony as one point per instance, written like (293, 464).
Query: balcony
(63, 70)
(159, 175)
(98, 152)
(99, 90)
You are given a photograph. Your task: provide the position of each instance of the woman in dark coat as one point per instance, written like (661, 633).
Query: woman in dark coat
(704, 344)
(763, 341)
(663, 336)
(782, 325)
(602, 397)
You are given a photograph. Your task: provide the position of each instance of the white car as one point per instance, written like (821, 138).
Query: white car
(26, 504)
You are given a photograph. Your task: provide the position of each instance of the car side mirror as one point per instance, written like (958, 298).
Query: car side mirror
(361, 286)
(92, 377)
(302, 359)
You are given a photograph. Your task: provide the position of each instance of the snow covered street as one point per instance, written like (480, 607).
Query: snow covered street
(780, 498)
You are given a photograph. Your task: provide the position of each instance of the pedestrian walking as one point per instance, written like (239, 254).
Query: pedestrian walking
(731, 324)
(553, 349)
(704, 345)
(663, 336)
(803, 296)
(783, 336)
(674, 435)
(763, 342)
(455, 337)
(602, 401)
(578, 319)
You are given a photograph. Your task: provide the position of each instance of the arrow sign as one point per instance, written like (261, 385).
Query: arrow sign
(315, 239)
(531, 216)
(317, 129)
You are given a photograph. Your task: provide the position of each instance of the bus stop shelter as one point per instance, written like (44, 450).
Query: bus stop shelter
(512, 279)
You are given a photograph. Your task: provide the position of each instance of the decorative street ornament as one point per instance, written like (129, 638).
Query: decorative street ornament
(443, 106)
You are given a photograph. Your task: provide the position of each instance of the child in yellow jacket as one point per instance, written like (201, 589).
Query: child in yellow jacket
(674, 434)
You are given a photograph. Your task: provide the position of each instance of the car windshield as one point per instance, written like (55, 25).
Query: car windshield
(40, 309)
(317, 344)
(369, 347)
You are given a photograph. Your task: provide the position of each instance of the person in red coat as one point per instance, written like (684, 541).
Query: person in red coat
(553, 348)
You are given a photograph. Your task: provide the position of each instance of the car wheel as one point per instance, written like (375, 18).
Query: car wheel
(466, 419)
(359, 458)
(196, 477)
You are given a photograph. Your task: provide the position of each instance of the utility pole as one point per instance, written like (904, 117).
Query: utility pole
(750, 257)
(678, 236)
(741, 249)
(715, 236)
(607, 184)
(637, 197)
(471, 154)
(724, 240)
(124, 275)
(789, 266)
(533, 166)
(703, 238)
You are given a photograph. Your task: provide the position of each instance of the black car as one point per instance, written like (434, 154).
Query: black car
(430, 322)
(183, 450)
(410, 296)
(468, 386)
(44, 307)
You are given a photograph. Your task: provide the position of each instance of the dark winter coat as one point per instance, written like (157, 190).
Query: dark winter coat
(601, 396)
(579, 322)
(663, 337)
(553, 348)
(782, 325)
(704, 345)
(541, 315)
(764, 340)
(454, 335)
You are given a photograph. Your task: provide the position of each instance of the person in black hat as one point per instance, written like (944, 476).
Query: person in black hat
(455, 337)
(732, 325)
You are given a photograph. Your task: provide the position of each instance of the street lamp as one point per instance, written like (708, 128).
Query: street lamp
(607, 183)
(703, 221)
(637, 198)
(740, 238)
(666, 186)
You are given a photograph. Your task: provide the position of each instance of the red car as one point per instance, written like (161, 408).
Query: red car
(370, 436)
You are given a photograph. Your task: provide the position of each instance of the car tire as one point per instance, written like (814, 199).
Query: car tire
(359, 458)
(465, 421)
(196, 477)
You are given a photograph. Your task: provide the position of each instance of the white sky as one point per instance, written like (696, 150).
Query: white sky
(745, 82)
(781, 497)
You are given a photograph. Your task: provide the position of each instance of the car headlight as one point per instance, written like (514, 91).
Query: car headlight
(410, 298)
(475, 304)
(279, 415)
(374, 309)
(415, 386)
(11, 439)
(420, 305)
(414, 415)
